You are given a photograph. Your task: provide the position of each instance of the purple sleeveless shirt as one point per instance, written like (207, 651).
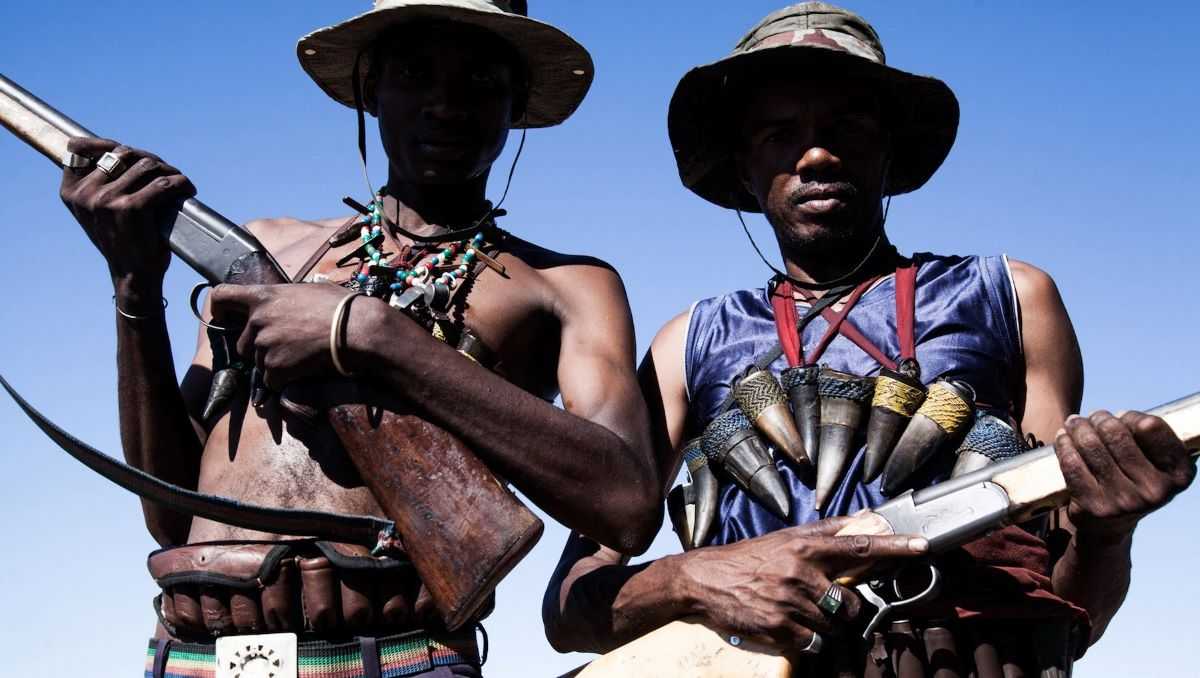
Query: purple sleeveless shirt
(966, 327)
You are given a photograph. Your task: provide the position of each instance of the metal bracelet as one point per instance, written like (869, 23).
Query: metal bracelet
(335, 332)
(131, 316)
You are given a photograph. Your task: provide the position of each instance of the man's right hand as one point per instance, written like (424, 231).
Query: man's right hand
(767, 588)
(123, 213)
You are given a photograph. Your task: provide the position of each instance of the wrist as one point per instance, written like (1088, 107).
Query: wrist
(138, 296)
(1093, 541)
(366, 321)
(683, 585)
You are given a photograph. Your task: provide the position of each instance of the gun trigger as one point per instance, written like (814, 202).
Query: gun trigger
(869, 591)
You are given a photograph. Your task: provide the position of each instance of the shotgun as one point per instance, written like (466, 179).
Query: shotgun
(948, 514)
(464, 531)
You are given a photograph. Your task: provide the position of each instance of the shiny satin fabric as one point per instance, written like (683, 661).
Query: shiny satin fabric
(966, 328)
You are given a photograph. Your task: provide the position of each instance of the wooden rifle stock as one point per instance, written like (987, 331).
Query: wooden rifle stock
(1033, 483)
(463, 530)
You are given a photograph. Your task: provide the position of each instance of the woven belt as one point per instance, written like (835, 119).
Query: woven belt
(400, 655)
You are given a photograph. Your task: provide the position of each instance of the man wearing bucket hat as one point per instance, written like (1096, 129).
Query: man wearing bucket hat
(446, 79)
(805, 123)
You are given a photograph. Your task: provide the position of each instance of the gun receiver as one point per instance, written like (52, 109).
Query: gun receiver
(948, 514)
(464, 530)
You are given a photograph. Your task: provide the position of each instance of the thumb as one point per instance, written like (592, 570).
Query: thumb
(226, 299)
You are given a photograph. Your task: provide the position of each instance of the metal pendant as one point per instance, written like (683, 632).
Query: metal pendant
(681, 508)
(763, 401)
(844, 401)
(407, 298)
(731, 441)
(897, 397)
(705, 489)
(940, 423)
(990, 440)
(801, 385)
(225, 385)
(437, 297)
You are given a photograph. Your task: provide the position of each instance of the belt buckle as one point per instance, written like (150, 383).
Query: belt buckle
(265, 656)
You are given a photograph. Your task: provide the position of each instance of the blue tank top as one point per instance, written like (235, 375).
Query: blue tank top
(966, 327)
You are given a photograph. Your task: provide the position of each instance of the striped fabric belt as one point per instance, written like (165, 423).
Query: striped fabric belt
(395, 656)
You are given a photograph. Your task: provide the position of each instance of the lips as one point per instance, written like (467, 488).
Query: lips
(823, 198)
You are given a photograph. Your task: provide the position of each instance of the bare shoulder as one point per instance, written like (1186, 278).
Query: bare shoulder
(1036, 290)
(672, 336)
(572, 279)
(292, 240)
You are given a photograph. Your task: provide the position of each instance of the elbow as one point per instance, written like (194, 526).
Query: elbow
(637, 514)
(562, 635)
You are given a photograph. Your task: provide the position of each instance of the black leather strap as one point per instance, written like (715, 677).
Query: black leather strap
(351, 529)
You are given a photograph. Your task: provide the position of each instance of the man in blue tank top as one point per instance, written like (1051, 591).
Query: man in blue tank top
(806, 123)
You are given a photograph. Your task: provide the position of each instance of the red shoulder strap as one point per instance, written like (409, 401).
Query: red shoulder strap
(786, 321)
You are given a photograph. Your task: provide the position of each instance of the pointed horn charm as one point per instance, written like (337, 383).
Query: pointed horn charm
(681, 507)
(844, 401)
(897, 397)
(731, 442)
(705, 489)
(990, 440)
(800, 383)
(763, 401)
(940, 422)
(224, 387)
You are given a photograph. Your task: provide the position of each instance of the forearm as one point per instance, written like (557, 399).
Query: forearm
(157, 433)
(556, 458)
(601, 605)
(1094, 574)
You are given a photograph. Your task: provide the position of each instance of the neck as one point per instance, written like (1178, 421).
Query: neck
(429, 209)
(849, 263)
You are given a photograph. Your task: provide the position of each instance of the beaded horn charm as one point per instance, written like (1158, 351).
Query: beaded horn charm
(800, 383)
(731, 441)
(705, 489)
(763, 401)
(990, 440)
(897, 397)
(940, 422)
(844, 399)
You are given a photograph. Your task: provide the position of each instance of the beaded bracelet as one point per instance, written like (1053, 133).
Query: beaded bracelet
(335, 332)
(131, 316)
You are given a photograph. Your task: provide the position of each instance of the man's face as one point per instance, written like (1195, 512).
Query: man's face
(814, 153)
(444, 98)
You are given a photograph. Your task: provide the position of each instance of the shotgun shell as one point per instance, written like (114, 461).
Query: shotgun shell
(763, 401)
(801, 385)
(844, 400)
(731, 442)
(681, 507)
(897, 397)
(940, 423)
(990, 440)
(705, 489)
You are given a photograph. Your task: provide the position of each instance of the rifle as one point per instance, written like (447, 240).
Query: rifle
(464, 530)
(948, 514)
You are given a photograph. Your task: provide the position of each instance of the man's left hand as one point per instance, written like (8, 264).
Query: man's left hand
(1119, 469)
(287, 327)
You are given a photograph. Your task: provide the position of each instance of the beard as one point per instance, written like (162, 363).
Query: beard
(846, 233)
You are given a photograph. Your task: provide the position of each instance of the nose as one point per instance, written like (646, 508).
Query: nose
(817, 163)
(447, 103)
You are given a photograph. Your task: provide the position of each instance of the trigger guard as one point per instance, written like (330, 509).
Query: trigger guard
(885, 608)
(194, 302)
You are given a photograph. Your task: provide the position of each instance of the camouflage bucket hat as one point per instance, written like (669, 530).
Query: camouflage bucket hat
(559, 68)
(808, 37)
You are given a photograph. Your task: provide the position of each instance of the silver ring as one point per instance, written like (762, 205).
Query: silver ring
(814, 646)
(111, 164)
(74, 161)
(833, 601)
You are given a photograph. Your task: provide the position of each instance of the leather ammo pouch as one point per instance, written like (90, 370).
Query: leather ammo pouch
(305, 586)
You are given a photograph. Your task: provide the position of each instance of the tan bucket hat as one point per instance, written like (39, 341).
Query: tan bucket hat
(808, 37)
(560, 70)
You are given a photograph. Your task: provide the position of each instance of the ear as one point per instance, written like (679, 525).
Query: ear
(370, 87)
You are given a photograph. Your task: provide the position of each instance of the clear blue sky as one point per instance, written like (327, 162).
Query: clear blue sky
(1077, 152)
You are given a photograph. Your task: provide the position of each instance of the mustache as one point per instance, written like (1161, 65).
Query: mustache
(816, 190)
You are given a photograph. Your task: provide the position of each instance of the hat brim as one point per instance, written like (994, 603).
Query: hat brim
(559, 69)
(923, 119)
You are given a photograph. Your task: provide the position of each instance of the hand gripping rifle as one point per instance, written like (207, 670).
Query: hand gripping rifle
(462, 530)
(949, 515)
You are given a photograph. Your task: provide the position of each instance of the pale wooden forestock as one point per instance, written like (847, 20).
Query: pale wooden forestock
(689, 648)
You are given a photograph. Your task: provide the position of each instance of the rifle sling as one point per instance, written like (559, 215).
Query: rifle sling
(352, 529)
